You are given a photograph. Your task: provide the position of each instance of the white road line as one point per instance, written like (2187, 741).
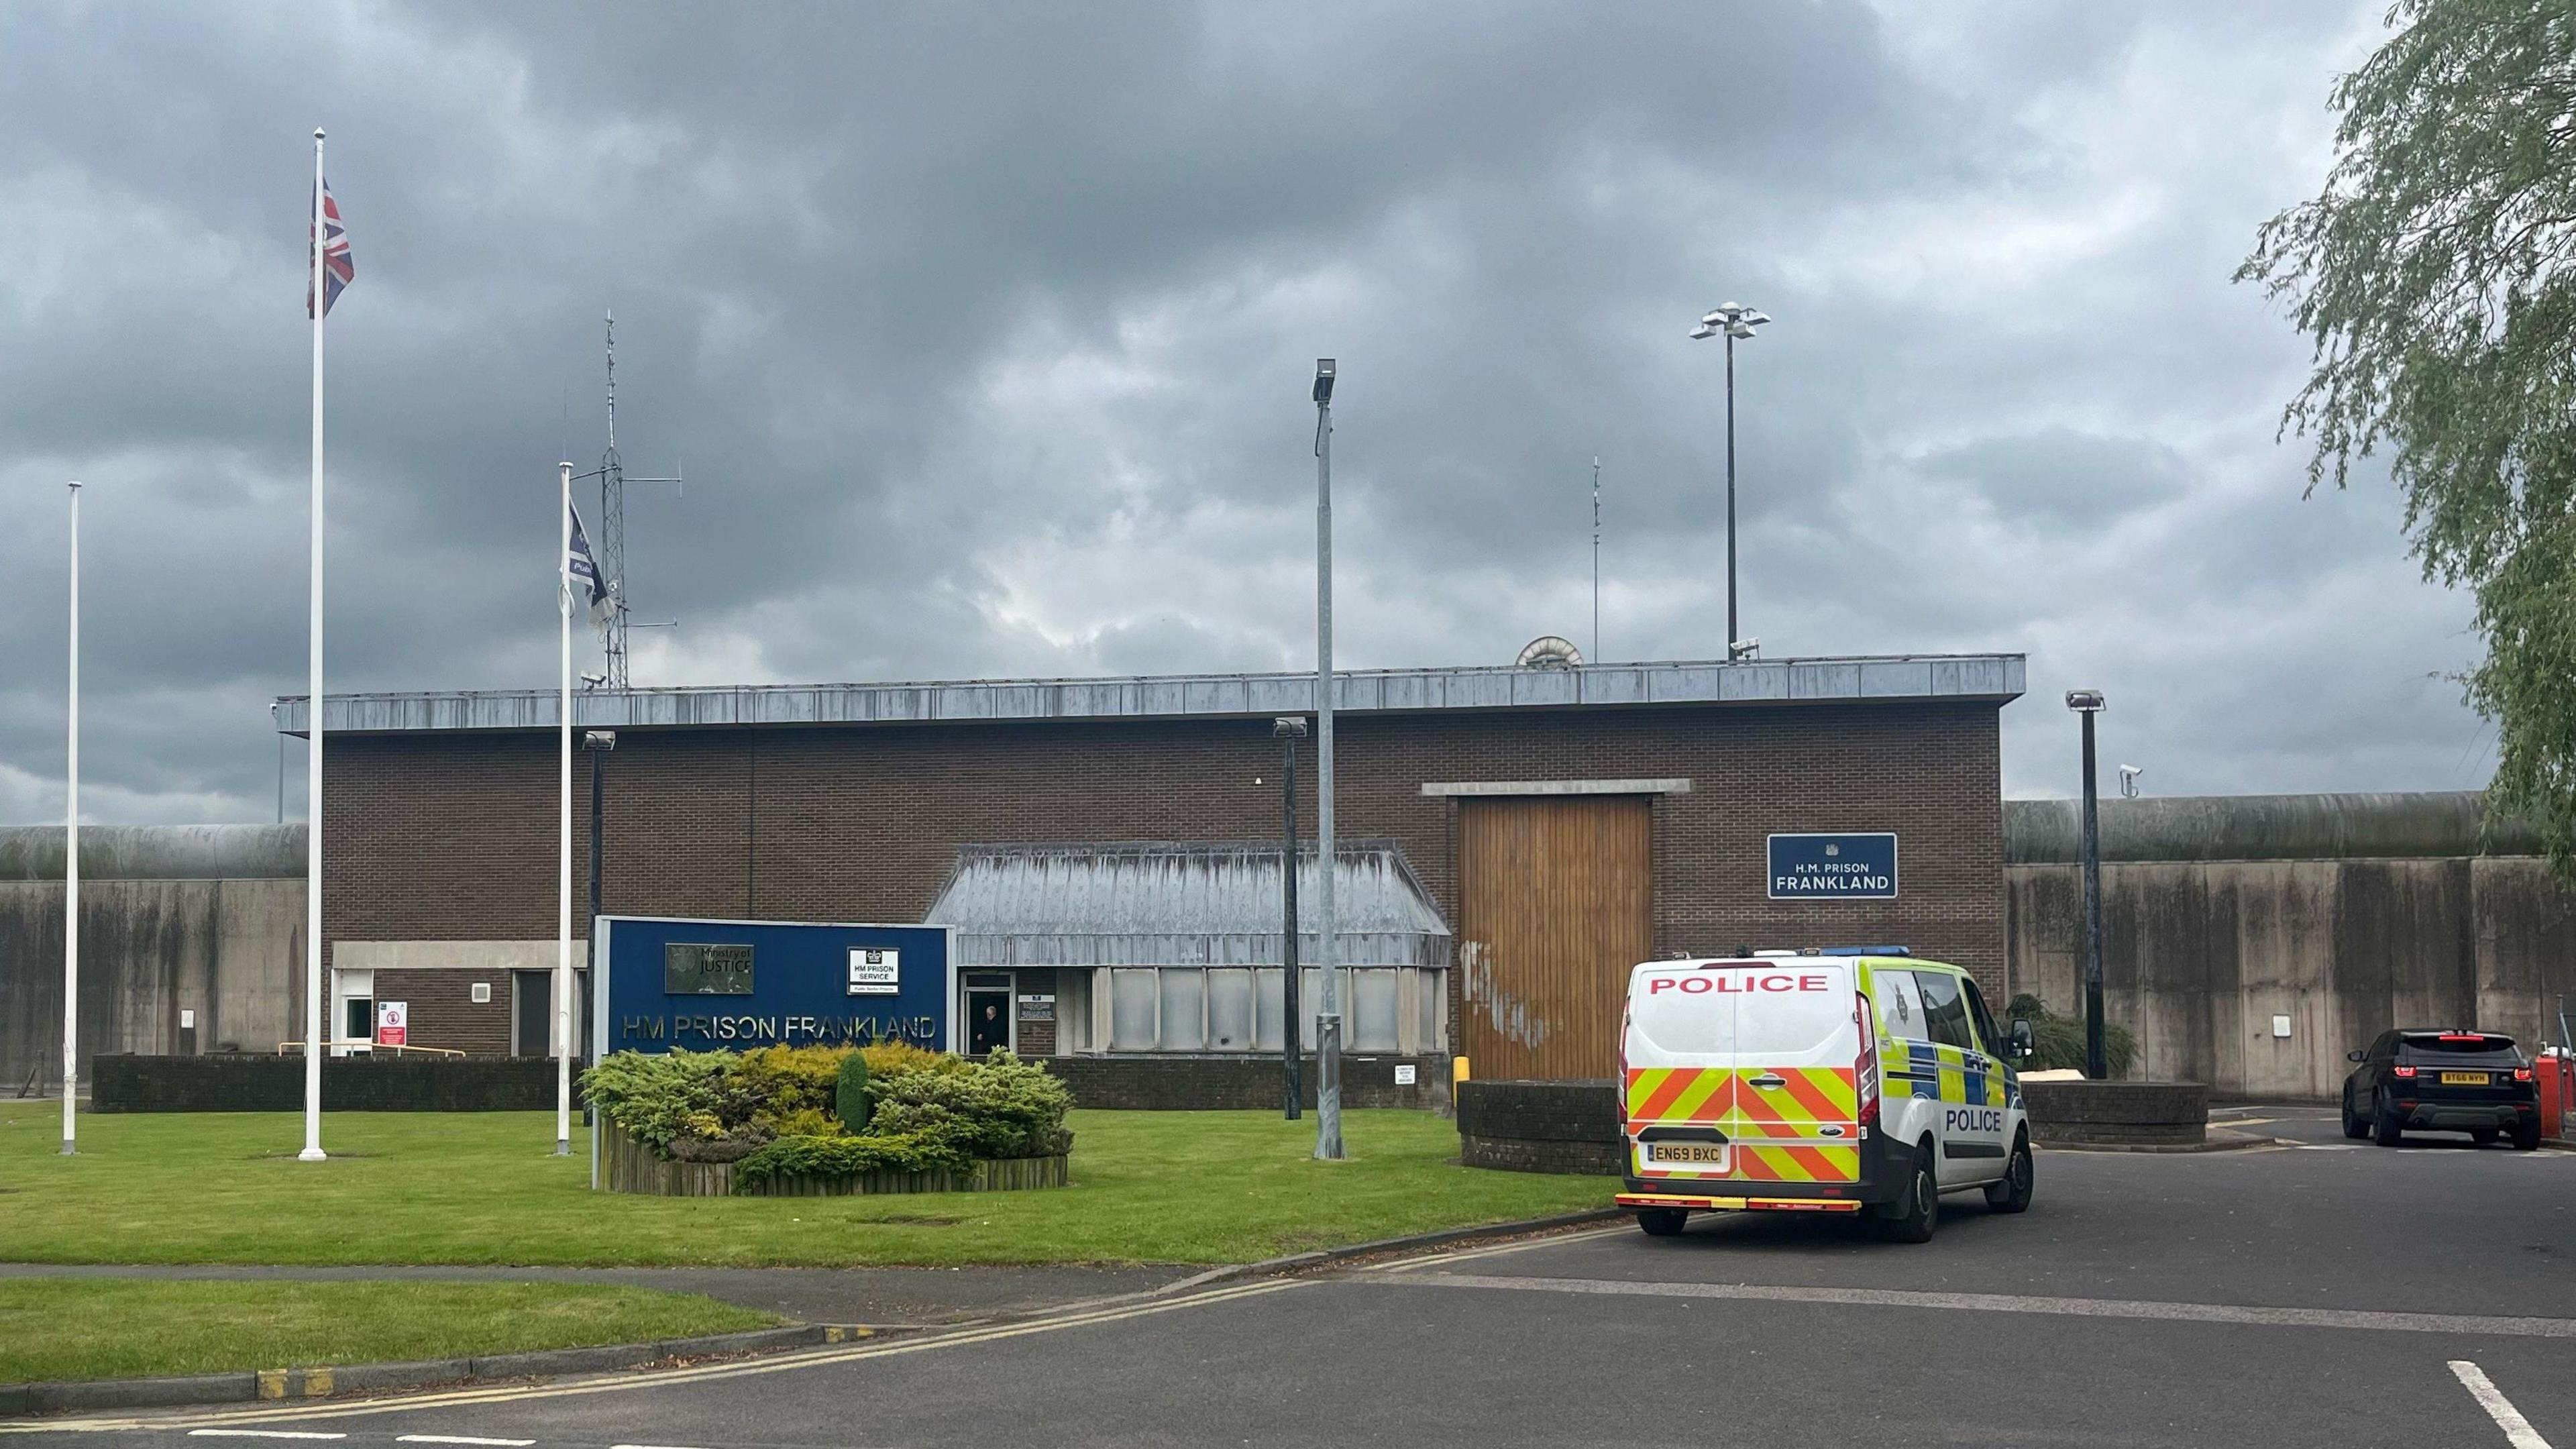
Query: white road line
(460, 1439)
(261, 1434)
(2509, 1327)
(2517, 1429)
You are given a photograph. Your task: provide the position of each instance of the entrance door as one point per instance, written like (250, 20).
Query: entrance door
(351, 1026)
(988, 1019)
(532, 1013)
(1555, 905)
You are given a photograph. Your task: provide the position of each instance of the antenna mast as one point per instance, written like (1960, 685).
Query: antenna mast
(612, 530)
(1596, 558)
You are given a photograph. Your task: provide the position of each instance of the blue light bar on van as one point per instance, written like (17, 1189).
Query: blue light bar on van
(1862, 951)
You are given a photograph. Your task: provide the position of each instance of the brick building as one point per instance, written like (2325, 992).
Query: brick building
(1563, 822)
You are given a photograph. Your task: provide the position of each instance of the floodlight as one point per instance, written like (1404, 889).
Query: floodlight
(2084, 701)
(1323, 379)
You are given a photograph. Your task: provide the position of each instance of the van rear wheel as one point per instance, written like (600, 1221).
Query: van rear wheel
(2012, 1194)
(1918, 1212)
(1662, 1222)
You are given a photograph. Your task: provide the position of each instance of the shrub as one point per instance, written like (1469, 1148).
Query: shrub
(853, 1099)
(661, 1098)
(2058, 1041)
(776, 1083)
(850, 1156)
(999, 1107)
(894, 1058)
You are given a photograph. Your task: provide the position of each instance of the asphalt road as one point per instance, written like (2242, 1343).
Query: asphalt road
(2298, 1296)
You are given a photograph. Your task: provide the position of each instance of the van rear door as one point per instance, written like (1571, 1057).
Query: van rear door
(1678, 1086)
(1795, 1116)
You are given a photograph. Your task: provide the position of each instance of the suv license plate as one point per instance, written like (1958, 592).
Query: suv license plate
(1687, 1154)
(2464, 1079)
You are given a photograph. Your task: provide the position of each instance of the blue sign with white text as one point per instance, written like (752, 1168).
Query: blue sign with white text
(1860, 867)
(704, 985)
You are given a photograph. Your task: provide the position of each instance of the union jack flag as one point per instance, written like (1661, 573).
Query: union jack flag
(337, 269)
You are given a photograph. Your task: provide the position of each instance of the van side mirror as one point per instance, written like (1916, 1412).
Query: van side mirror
(2023, 1043)
(2355, 1055)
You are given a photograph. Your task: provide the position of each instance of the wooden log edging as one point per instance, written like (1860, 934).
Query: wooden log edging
(630, 1166)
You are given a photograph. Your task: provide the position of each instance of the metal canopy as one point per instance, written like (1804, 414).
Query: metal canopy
(1883, 679)
(1135, 904)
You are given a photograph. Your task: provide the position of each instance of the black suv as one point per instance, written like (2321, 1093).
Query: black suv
(2442, 1081)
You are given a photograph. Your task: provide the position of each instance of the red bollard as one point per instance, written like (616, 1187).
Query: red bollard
(2554, 1081)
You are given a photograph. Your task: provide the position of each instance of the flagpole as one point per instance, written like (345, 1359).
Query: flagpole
(563, 921)
(71, 857)
(313, 719)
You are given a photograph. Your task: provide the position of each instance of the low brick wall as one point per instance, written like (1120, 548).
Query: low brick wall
(2117, 1114)
(1242, 1084)
(1540, 1126)
(349, 1084)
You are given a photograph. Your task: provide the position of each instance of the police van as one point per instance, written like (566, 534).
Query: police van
(1859, 1080)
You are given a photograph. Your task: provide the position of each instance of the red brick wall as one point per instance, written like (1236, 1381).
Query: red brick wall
(452, 836)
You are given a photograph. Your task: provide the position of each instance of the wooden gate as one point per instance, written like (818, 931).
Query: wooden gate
(1555, 904)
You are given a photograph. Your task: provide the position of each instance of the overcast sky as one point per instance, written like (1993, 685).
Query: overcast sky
(984, 335)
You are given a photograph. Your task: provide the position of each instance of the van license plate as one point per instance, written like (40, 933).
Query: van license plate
(2464, 1079)
(1687, 1154)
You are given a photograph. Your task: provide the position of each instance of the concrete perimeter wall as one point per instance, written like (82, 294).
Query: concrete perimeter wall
(2349, 914)
(208, 919)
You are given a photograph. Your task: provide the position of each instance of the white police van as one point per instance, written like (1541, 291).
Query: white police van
(1847, 1081)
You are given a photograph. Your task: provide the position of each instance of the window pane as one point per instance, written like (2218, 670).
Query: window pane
(1373, 1015)
(1131, 1010)
(1230, 1010)
(1310, 999)
(1944, 1010)
(1184, 997)
(1268, 1008)
(1435, 1010)
(1900, 1006)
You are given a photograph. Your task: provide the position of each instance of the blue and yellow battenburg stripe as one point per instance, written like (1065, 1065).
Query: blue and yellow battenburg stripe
(1941, 1073)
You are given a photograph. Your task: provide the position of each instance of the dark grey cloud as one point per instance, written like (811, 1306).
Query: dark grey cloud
(983, 334)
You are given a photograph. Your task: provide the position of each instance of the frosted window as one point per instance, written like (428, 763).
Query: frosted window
(1131, 1010)
(1229, 1011)
(1373, 1011)
(1269, 1008)
(1184, 1001)
(1435, 1010)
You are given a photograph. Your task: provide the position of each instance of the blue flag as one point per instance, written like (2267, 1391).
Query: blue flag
(585, 573)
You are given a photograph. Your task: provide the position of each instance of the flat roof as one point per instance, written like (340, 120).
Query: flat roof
(1874, 679)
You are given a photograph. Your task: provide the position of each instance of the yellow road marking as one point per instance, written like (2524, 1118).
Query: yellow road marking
(1463, 1255)
(623, 1382)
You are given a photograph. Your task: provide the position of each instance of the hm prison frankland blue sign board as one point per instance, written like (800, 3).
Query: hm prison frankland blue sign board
(704, 985)
(1859, 867)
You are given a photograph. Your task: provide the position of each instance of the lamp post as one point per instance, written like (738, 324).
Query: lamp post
(1328, 1021)
(1291, 1046)
(1733, 321)
(2087, 703)
(597, 744)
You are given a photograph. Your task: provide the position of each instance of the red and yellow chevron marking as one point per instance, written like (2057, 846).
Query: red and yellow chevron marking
(1677, 1094)
(1806, 1099)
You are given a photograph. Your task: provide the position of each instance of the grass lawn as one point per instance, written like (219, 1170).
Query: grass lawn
(1159, 1187)
(109, 1328)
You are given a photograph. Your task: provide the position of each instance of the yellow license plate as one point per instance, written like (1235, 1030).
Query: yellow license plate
(1695, 1154)
(2464, 1079)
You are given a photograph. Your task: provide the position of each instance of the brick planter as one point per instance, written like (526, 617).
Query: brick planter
(627, 1165)
(2117, 1114)
(1570, 1127)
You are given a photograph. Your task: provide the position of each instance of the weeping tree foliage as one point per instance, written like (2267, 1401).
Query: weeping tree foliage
(2433, 272)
